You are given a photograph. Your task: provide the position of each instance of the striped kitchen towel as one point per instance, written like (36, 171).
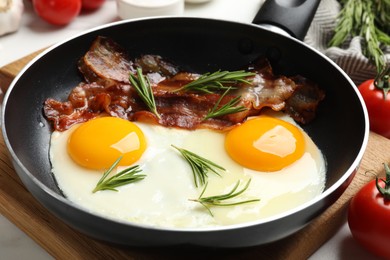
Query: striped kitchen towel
(349, 56)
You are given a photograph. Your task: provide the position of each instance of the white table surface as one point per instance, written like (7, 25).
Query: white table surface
(35, 34)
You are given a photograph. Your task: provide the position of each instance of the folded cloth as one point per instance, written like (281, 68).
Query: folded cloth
(348, 57)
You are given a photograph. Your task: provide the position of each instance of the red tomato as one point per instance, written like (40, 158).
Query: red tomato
(369, 218)
(57, 12)
(378, 107)
(91, 4)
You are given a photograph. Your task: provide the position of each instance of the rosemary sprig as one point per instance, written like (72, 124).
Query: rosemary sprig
(369, 20)
(221, 200)
(219, 80)
(200, 166)
(128, 175)
(371, 36)
(144, 90)
(229, 108)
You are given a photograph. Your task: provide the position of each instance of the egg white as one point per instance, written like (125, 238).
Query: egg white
(163, 198)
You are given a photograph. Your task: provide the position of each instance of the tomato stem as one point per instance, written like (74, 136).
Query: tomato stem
(382, 81)
(386, 190)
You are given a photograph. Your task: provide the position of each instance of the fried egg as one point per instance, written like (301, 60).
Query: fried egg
(284, 165)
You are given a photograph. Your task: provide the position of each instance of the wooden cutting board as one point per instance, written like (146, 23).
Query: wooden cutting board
(63, 242)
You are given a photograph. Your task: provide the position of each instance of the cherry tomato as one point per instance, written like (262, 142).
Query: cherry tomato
(378, 105)
(57, 12)
(91, 4)
(369, 217)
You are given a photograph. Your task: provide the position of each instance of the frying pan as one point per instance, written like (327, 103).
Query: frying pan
(197, 44)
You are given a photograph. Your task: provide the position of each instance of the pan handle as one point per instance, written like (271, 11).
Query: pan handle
(292, 16)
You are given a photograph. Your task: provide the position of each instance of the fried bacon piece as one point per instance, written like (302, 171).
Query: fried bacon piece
(296, 96)
(266, 89)
(106, 63)
(76, 110)
(302, 105)
(156, 64)
(107, 90)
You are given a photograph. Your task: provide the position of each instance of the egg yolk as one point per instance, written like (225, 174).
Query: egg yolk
(98, 143)
(265, 144)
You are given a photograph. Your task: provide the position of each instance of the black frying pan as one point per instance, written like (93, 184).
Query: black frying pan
(202, 45)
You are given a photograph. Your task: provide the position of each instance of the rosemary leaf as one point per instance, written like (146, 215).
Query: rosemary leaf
(221, 200)
(200, 166)
(128, 175)
(144, 90)
(219, 80)
(229, 108)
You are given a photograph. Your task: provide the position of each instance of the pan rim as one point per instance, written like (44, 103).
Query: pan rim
(67, 202)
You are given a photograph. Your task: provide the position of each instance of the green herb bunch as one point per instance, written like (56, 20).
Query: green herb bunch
(369, 19)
